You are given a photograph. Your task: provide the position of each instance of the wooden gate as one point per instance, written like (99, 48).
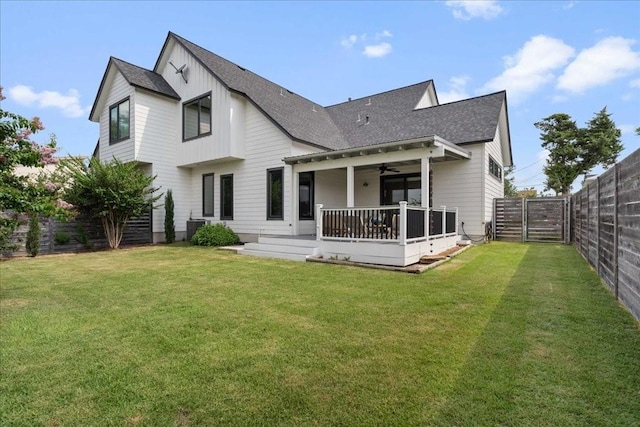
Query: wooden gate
(542, 219)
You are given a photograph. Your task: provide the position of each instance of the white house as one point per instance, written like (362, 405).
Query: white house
(239, 149)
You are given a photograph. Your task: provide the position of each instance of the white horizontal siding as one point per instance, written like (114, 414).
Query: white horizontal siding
(266, 146)
(459, 184)
(118, 91)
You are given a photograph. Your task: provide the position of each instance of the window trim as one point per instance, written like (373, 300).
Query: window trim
(269, 205)
(311, 197)
(406, 176)
(117, 106)
(222, 193)
(495, 167)
(199, 135)
(213, 184)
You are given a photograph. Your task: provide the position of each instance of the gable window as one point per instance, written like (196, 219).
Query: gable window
(119, 121)
(305, 195)
(196, 117)
(495, 169)
(275, 187)
(207, 194)
(226, 197)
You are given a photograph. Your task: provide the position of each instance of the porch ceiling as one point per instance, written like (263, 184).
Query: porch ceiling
(393, 154)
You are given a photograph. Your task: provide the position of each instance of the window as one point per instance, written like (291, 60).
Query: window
(207, 194)
(305, 195)
(119, 121)
(275, 183)
(196, 117)
(397, 188)
(495, 169)
(226, 197)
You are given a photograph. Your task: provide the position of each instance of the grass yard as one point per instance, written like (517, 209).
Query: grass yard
(504, 334)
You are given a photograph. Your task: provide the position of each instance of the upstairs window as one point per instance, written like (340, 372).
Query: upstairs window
(495, 169)
(196, 117)
(119, 121)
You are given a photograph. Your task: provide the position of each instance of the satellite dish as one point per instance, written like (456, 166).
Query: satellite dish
(180, 71)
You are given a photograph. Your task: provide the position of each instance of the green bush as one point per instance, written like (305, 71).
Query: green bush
(214, 235)
(62, 237)
(33, 236)
(169, 226)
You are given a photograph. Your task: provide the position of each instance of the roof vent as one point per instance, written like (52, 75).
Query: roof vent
(357, 121)
(368, 102)
(366, 120)
(281, 92)
(313, 107)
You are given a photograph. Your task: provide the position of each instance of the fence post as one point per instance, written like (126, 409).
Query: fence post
(598, 226)
(524, 219)
(616, 180)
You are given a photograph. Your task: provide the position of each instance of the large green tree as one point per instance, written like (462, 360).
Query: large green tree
(574, 151)
(112, 192)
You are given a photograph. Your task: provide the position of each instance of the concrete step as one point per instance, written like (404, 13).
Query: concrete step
(282, 247)
(277, 255)
(293, 241)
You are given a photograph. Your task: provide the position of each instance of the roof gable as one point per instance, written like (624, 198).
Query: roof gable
(136, 76)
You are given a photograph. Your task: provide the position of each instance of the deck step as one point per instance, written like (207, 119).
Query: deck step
(282, 247)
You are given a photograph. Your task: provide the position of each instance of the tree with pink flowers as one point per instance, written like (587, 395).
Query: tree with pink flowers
(23, 194)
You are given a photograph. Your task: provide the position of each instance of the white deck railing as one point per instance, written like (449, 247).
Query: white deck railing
(401, 224)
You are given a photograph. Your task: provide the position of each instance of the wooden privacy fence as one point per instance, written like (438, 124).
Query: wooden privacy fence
(79, 234)
(606, 229)
(542, 219)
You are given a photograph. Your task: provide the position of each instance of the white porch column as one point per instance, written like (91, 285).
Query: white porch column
(295, 194)
(319, 221)
(350, 187)
(424, 191)
(402, 232)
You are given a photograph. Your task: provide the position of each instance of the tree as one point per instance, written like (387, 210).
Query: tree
(169, 226)
(510, 189)
(33, 235)
(574, 151)
(20, 194)
(112, 192)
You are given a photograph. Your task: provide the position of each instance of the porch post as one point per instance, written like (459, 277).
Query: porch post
(294, 201)
(424, 191)
(403, 224)
(350, 187)
(444, 220)
(319, 221)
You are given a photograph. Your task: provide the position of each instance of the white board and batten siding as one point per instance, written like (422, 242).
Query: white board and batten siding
(119, 90)
(224, 110)
(266, 147)
(493, 187)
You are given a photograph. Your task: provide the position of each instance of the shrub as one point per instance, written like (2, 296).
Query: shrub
(169, 226)
(33, 235)
(214, 235)
(62, 237)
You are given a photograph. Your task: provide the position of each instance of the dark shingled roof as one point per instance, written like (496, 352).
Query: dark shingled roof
(299, 117)
(145, 79)
(390, 116)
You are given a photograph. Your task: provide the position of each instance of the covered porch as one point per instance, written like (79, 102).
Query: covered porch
(375, 204)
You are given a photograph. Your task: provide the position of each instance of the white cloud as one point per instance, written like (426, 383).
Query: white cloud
(569, 5)
(468, 9)
(383, 34)
(348, 42)
(627, 129)
(607, 60)
(531, 67)
(635, 83)
(377, 50)
(457, 90)
(69, 104)
(370, 50)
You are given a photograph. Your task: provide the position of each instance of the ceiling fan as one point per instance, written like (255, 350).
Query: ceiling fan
(384, 168)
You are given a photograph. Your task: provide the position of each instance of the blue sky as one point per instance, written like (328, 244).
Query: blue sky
(561, 56)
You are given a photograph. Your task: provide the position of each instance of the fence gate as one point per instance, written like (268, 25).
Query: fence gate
(543, 219)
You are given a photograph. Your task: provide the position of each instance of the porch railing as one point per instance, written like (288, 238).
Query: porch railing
(402, 224)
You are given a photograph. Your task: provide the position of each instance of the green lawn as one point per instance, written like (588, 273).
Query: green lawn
(504, 334)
